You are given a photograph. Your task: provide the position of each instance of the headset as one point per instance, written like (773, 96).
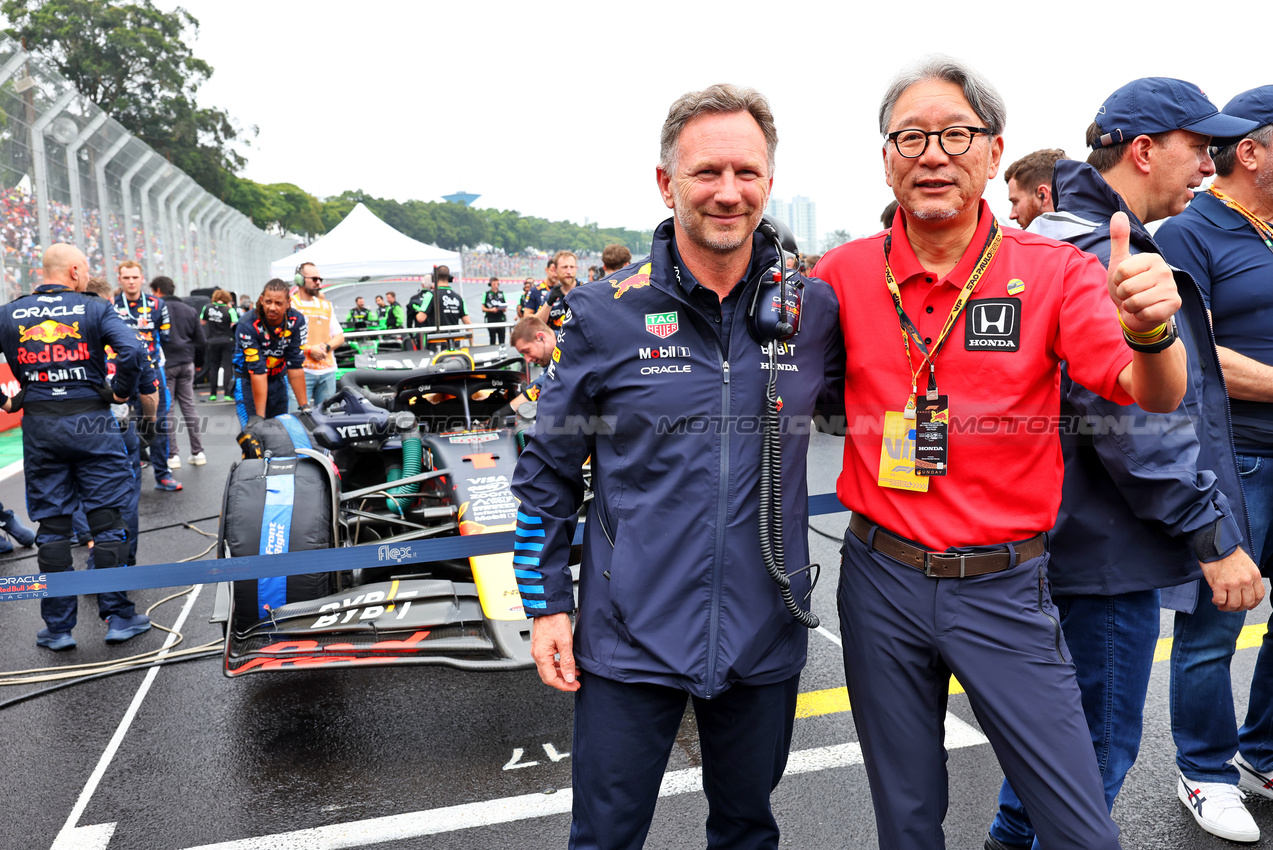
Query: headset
(774, 313)
(773, 318)
(298, 278)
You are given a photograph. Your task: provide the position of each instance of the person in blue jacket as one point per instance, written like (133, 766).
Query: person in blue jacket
(656, 376)
(55, 338)
(1150, 501)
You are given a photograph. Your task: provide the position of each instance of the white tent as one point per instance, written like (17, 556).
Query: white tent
(364, 246)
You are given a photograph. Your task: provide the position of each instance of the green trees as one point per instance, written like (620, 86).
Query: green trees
(131, 59)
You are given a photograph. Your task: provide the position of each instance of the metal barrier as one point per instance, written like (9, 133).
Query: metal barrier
(70, 583)
(71, 173)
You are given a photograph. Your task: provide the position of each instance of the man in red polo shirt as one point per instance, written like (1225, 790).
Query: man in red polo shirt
(955, 331)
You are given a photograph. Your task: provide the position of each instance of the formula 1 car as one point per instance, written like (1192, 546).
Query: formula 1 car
(395, 456)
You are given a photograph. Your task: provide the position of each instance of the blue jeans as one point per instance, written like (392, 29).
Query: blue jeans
(1112, 641)
(1201, 688)
(318, 388)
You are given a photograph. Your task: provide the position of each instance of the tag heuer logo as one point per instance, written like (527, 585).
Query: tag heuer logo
(662, 325)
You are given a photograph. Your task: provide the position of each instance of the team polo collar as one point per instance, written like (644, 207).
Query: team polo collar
(1215, 211)
(906, 265)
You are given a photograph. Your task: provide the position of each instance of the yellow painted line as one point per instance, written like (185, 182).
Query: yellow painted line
(836, 700)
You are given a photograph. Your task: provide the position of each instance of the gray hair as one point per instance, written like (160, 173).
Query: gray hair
(981, 96)
(1226, 156)
(720, 99)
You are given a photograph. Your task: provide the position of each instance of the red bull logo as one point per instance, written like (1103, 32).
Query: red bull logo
(942, 416)
(638, 280)
(48, 331)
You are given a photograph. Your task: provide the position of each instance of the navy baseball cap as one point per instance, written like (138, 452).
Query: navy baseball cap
(1254, 105)
(1160, 105)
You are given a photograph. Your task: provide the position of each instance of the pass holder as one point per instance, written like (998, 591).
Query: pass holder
(932, 435)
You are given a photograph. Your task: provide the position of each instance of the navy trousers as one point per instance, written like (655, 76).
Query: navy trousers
(624, 733)
(904, 635)
(275, 397)
(76, 459)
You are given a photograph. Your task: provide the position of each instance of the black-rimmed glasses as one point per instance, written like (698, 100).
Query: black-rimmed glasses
(955, 141)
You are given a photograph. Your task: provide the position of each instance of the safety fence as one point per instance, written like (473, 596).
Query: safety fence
(43, 585)
(71, 173)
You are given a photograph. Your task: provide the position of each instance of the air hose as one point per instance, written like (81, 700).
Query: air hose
(771, 545)
(412, 464)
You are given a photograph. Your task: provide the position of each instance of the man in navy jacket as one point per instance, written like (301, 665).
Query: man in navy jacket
(657, 378)
(1149, 500)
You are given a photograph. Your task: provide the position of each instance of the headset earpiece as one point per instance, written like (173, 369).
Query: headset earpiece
(298, 278)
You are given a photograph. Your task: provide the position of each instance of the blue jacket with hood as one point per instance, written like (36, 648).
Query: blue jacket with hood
(666, 394)
(1146, 495)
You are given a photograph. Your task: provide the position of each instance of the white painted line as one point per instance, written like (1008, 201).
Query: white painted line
(10, 470)
(71, 838)
(829, 635)
(95, 837)
(470, 815)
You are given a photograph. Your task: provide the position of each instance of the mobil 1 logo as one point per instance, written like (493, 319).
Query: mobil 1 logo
(993, 324)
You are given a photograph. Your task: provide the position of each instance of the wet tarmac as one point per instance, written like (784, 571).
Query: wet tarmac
(425, 757)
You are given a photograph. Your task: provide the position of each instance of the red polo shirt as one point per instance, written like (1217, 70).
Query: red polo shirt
(1041, 302)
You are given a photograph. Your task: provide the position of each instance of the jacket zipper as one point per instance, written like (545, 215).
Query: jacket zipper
(722, 517)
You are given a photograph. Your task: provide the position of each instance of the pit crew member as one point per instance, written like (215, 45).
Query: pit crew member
(269, 355)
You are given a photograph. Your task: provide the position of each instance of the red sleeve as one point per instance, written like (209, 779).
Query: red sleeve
(1089, 339)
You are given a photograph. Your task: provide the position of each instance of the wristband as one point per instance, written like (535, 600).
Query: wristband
(1157, 345)
(1141, 336)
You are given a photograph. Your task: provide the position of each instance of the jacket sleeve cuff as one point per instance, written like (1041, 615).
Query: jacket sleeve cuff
(1217, 540)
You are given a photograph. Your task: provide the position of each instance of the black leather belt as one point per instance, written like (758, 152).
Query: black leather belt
(945, 564)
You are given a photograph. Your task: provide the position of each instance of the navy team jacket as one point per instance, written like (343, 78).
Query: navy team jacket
(1144, 501)
(55, 341)
(672, 589)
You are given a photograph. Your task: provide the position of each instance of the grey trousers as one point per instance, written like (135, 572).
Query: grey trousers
(181, 384)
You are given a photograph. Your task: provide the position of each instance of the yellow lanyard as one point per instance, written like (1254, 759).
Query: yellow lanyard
(910, 332)
(1262, 227)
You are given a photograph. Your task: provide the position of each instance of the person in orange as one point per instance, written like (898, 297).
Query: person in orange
(325, 334)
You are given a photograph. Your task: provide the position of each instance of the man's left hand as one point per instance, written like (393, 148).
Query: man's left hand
(1141, 286)
(1236, 584)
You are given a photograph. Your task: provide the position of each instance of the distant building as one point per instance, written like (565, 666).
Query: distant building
(465, 198)
(801, 215)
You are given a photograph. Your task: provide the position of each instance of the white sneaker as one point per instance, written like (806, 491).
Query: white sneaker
(174, 463)
(197, 460)
(1218, 808)
(1251, 779)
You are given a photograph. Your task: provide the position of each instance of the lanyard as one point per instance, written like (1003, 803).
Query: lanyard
(1262, 227)
(910, 332)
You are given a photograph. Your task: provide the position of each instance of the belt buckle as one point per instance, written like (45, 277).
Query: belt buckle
(928, 563)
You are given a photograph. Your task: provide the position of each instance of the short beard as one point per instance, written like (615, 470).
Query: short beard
(699, 234)
(933, 215)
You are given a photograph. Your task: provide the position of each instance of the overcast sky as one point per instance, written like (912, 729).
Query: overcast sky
(554, 109)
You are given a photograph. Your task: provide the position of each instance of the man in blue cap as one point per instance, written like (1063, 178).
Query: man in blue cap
(1225, 241)
(1155, 501)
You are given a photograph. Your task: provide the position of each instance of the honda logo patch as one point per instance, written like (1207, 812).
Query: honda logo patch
(993, 324)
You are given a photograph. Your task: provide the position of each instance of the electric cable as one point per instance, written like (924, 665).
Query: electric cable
(75, 674)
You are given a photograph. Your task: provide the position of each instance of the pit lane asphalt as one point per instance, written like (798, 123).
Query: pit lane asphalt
(208, 761)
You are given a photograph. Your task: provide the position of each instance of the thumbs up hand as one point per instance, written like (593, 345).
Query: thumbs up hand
(1140, 285)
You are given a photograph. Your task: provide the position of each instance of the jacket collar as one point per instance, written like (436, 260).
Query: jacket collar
(1078, 188)
(669, 273)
